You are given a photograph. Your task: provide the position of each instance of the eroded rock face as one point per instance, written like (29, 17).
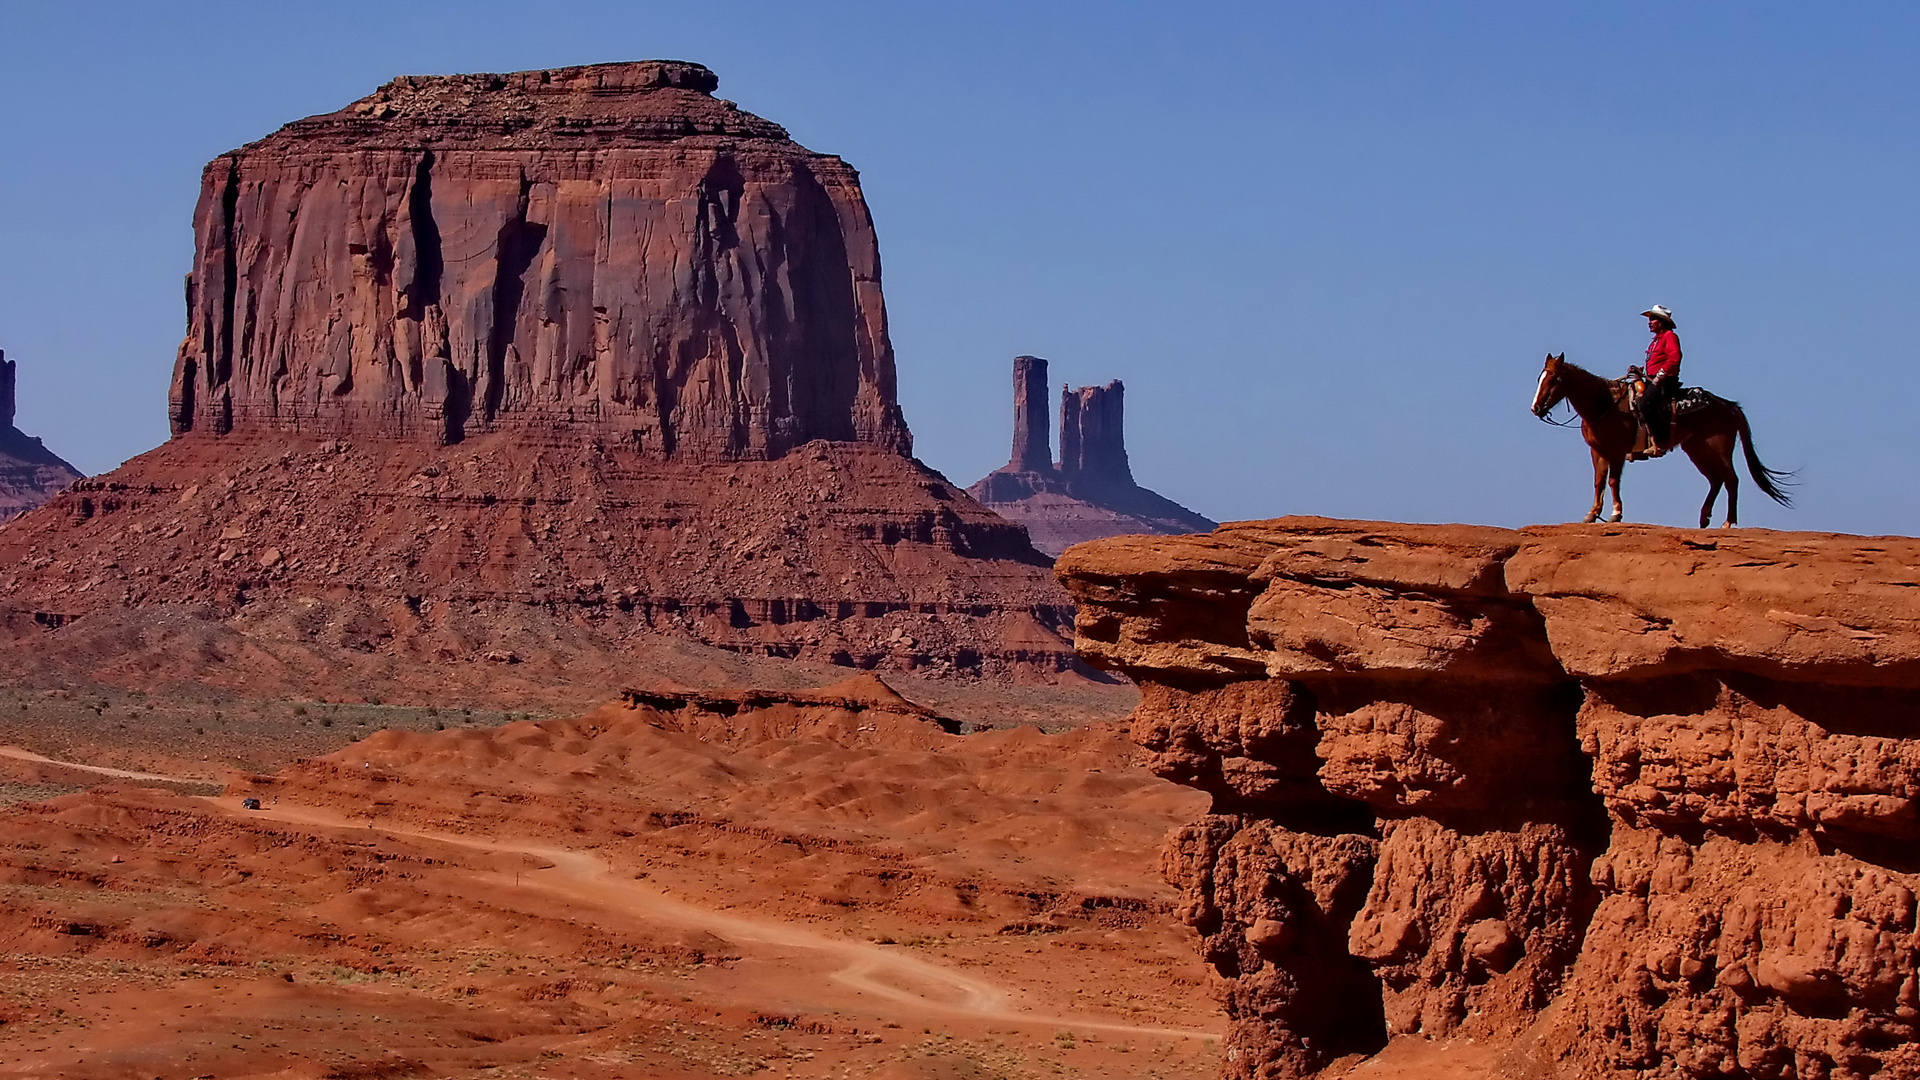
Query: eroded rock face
(837, 553)
(608, 248)
(580, 347)
(1093, 444)
(30, 474)
(1636, 802)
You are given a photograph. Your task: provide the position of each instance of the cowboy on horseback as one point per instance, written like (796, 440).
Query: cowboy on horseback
(1710, 430)
(1663, 374)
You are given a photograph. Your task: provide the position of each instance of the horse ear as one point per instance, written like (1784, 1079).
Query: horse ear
(1561, 359)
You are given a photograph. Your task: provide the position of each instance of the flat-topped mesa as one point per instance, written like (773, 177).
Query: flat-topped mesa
(607, 249)
(553, 349)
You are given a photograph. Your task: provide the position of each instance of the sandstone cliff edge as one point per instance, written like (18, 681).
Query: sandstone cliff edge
(1626, 801)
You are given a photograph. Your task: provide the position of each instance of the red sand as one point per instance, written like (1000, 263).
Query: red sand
(803, 889)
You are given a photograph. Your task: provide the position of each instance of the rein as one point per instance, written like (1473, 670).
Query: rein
(1568, 422)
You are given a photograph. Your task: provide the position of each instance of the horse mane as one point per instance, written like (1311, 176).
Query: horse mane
(1590, 384)
(1564, 362)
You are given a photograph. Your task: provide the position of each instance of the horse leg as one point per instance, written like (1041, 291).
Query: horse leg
(1599, 486)
(1713, 456)
(1614, 469)
(1733, 496)
(1706, 508)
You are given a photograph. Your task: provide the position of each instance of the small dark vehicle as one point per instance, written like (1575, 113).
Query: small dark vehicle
(250, 804)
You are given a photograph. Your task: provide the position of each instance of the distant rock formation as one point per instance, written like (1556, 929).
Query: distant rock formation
(1093, 445)
(585, 345)
(607, 248)
(1608, 802)
(1091, 493)
(1032, 448)
(30, 474)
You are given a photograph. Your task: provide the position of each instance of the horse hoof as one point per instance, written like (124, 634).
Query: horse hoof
(1590, 519)
(1616, 518)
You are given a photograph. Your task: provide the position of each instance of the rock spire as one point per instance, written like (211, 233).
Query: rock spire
(1090, 493)
(1093, 445)
(30, 474)
(1032, 448)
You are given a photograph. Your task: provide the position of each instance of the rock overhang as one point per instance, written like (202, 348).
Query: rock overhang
(1555, 786)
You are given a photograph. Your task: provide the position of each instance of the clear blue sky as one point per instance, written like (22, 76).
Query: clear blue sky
(1325, 244)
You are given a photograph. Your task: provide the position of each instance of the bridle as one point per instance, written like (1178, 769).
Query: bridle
(1563, 400)
(1554, 421)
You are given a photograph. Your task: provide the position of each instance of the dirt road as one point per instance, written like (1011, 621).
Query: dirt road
(889, 981)
(18, 754)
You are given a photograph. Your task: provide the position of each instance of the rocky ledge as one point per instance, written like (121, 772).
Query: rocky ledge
(1626, 801)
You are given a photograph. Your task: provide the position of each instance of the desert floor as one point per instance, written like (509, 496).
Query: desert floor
(461, 891)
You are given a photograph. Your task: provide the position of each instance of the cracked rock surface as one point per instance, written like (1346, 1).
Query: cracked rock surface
(1618, 800)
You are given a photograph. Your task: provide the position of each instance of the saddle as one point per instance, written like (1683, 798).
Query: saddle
(1688, 399)
(1630, 391)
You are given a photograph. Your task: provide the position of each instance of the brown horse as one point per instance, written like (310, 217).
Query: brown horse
(1611, 430)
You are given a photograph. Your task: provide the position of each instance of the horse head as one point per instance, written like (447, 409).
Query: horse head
(1550, 391)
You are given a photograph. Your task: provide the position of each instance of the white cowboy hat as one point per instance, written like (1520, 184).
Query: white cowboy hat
(1659, 312)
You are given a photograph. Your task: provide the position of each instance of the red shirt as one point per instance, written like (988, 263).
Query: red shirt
(1663, 356)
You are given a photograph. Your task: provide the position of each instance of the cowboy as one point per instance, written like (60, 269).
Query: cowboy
(1663, 373)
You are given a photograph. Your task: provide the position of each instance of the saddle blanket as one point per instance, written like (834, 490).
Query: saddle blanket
(1691, 399)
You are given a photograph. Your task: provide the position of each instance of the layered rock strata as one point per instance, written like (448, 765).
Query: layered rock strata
(1629, 801)
(586, 345)
(1090, 493)
(30, 474)
(839, 553)
(608, 248)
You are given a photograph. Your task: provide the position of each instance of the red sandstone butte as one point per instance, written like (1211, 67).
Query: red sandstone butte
(588, 346)
(1593, 801)
(1091, 492)
(30, 474)
(608, 248)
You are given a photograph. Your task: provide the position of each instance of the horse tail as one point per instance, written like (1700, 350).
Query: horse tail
(1769, 481)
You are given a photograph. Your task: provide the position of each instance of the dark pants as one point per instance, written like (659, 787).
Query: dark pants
(1656, 407)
